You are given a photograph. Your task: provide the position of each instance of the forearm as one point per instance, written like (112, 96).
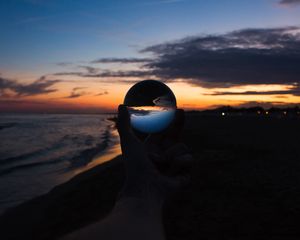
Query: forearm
(131, 218)
(141, 218)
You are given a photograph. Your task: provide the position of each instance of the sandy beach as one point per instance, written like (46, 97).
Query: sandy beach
(245, 185)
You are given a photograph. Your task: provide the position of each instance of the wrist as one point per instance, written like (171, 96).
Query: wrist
(146, 191)
(140, 206)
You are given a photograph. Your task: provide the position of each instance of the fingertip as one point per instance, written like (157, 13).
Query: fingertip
(175, 129)
(180, 111)
(123, 111)
(180, 116)
(185, 180)
(123, 122)
(122, 108)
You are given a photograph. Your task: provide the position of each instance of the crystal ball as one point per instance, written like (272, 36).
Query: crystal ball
(151, 105)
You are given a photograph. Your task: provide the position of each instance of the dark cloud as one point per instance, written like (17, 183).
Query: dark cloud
(90, 70)
(5, 83)
(121, 60)
(64, 64)
(10, 87)
(289, 2)
(78, 88)
(105, 92)
(292, 91)
(107, 73)
(76, 94)
(244, 57)
(249, 56)
(79, 74)
(41, 86)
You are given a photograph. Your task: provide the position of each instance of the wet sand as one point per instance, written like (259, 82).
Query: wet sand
(245, 185)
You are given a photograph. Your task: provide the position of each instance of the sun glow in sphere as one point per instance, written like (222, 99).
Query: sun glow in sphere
(152, 106)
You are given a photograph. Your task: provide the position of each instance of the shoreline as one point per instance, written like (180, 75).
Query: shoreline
(110, 152)
(106, 150)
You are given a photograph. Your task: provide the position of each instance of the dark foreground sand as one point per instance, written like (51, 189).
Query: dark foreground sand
(245, 185)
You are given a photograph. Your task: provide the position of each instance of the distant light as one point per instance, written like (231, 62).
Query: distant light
(223, 114)
(284, 112)
(258, 112)
(267, 112)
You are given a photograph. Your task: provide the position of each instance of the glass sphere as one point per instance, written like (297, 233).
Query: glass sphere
(151, 105)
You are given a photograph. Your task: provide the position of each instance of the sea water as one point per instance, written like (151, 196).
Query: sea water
(152, 119)
(39, 151)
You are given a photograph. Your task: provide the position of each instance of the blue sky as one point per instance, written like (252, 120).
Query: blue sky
(211, 53)
(36, 34)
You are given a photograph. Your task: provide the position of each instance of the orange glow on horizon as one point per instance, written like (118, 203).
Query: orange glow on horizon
(95, 96)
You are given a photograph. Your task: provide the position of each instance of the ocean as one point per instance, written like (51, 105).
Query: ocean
(40, 151)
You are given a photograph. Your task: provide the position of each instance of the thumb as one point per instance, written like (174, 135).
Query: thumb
(132, 148)
(123, 121)
(129, 141)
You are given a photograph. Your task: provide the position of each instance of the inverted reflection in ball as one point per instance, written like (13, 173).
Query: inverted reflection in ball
(152, 106)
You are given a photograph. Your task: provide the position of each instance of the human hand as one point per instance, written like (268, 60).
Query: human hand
(157, 167)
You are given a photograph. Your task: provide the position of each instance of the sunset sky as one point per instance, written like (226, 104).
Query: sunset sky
(83, 55)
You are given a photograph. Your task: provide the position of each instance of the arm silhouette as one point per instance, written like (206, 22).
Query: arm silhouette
(155, 168)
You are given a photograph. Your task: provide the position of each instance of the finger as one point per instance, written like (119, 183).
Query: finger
(176, 127)
(153, 141)
(156, 158)
(172, 160)
(173, 133)
(181, 165)
(176, 150)
(123, 121)
(184, 160)
(128, 140)
(175, 183)
(182, 180)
